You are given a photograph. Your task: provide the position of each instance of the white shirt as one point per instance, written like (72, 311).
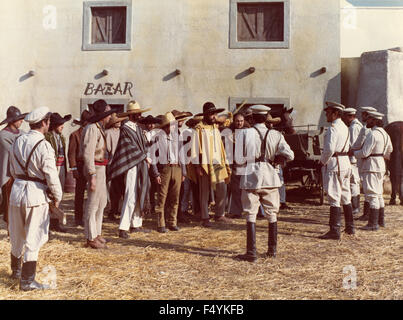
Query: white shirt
(336, 140)
(354, 129)
(376, 142)
(42, 166)
(259, 175)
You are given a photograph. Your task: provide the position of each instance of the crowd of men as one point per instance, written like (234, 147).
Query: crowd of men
(153, 164)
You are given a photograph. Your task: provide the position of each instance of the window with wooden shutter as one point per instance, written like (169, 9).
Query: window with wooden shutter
(108, 25)
(260, 21)
(259, 24)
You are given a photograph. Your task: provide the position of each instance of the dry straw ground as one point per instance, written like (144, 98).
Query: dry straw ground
(197, 263)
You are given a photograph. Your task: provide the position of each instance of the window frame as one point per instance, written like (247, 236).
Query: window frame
(87, 25)
(235, 44)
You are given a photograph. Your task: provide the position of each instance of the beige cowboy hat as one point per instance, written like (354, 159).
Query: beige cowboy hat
(272, 120)
(167, 119)
(115, 119)
(132, 107)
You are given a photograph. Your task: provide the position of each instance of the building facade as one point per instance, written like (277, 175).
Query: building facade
(171, 54)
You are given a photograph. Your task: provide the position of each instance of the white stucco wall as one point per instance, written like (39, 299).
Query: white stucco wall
(192, 36)
(370, 25)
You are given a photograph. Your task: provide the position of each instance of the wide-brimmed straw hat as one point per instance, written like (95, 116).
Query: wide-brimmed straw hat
(115, 119)
(57, 120)
(13, 114)
(210, 108)
(100, 111)
(133, 107)
(85, 115)
(272, 120)
(180, 115)
(167, 119)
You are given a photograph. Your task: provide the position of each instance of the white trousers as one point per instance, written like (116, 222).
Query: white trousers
(95, 205)
(337, 187)
(373, 189)
(355, 180)
(131, 214)
(281, 190)
(268, 197)
(29, 230)
(62, 175)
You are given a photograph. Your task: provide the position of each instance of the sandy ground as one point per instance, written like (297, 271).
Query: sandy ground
(197, 263)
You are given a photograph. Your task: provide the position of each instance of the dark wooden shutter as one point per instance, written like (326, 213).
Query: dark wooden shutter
(260, 21)
(108, 24)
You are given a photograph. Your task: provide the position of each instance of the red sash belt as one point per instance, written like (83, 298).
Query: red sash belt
(102, 163)
(60, 161)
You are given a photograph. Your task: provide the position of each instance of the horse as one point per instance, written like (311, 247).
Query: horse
(395, 163)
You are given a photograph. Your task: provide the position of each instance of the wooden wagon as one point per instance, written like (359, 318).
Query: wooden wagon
(307, 145)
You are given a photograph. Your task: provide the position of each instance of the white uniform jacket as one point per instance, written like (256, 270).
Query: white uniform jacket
(376, 143)
(336, 140)
(354, 129)
(359, 142)
(259, 175)
(42, 166)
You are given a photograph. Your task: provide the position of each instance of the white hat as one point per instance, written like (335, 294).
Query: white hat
(334, 105)
(375, 115)
(350, 111)
(37, 115)
(260, 109)
(367, 109)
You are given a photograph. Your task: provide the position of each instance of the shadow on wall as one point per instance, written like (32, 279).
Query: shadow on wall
(333, 87)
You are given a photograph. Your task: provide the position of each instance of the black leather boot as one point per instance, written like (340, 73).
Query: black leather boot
(27, 282)
(15, 267)
(348, 219)
(250, 254)
(54, 225)
(272, 248)
(365, 215)
(381, 218)
(372, 221)
(334, 223)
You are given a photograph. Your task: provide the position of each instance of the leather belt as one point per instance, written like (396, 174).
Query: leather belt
(26, 178)
(340, 154)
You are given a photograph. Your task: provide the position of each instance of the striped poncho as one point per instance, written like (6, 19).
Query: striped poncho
(131, 151)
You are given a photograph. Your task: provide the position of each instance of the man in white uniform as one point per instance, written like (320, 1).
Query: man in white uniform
(32, 165)
(354, 127)
(337, 171)
(259, 179)
(377, 147)
(357, 146)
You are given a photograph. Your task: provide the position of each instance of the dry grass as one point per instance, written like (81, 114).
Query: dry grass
(197, 263)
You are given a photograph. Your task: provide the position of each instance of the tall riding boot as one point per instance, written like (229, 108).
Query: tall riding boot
(272, 250)
(372, 221)
(250, 243)
(365, 216)
(334, 223)
(16, 267)
(27, 282)
(348, 219)
(381, 219)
